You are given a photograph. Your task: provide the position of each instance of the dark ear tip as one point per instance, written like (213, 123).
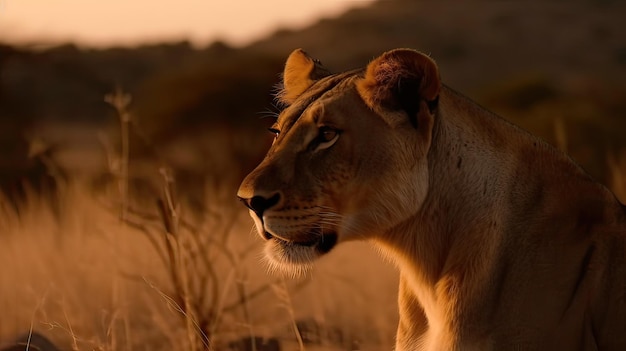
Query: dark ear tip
(401, 79)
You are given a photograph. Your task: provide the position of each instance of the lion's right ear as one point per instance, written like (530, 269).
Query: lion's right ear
(402, 79)
(301, 71)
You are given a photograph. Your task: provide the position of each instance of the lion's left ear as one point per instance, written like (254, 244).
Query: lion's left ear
(301, 71)
(402, 79)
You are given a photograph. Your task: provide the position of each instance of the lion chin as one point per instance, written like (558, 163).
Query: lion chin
(296, 258)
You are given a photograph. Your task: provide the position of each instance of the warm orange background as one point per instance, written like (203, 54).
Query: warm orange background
(128, 22)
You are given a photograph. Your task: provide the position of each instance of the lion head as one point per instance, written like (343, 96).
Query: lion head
(349, 158)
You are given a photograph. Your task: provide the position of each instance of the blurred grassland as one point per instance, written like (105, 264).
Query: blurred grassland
(90, 281)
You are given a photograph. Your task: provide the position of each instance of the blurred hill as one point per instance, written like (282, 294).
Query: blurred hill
(558, 68)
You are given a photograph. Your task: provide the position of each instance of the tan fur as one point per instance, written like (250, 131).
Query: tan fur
(503, 243)
(301, 71)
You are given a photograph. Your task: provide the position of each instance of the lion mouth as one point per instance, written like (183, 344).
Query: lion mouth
(297, 254)
(322, 243)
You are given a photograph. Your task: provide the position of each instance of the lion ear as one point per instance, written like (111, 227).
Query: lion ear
(401, 79)
(301, 71)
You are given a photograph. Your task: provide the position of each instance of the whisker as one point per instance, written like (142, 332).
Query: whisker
(328, 216)
(268, 114)
(253, 230)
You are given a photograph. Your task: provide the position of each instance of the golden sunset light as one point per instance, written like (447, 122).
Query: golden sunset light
(123, 22)
(319, 175)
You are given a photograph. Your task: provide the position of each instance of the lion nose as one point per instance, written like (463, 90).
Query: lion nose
(259, 204)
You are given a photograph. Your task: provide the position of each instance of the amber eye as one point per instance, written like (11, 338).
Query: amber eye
(327, 134)
(327, 137)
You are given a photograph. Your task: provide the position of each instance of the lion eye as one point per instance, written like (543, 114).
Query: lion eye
(327, 134)
(274, 131)
(327, 137)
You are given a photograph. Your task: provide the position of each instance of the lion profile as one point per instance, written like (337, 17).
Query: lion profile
(502, 242)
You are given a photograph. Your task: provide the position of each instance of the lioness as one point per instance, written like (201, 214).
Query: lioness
(503, 243)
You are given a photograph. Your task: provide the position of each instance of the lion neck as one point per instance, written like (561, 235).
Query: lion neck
(447, 250)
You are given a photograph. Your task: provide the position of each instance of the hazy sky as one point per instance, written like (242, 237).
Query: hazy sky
(126, 22)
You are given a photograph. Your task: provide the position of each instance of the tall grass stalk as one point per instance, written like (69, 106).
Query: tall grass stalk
(282, 294)
(120, 101)
(194, 260)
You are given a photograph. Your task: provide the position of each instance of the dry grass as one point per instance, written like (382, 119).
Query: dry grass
(90, 281)
(69, 276)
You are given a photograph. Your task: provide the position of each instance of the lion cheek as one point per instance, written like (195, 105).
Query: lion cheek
(382, 214)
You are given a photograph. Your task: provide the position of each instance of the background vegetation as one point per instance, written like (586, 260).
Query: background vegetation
(119, 228)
